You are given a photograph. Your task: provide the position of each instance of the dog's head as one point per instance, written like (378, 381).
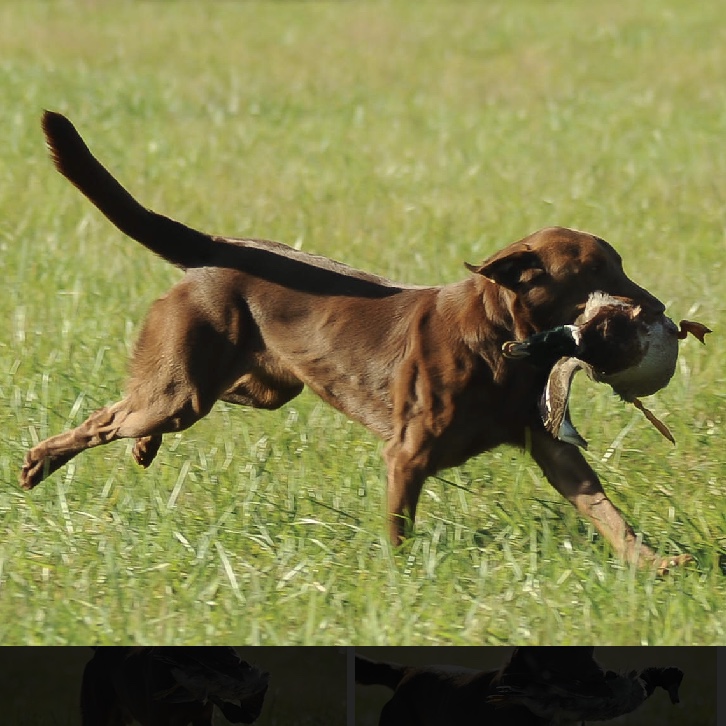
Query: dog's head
(552, 272)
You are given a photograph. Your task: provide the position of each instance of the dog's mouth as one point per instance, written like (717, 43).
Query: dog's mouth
(650, 306)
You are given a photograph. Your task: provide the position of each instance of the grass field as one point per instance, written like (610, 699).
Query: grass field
(403, 138)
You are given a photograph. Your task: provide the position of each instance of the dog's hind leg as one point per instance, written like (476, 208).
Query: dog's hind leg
(121, 420)
(181, 362)
(128, 418)
(145, 449)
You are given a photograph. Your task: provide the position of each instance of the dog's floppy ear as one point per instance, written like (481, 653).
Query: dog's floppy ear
(510, 269)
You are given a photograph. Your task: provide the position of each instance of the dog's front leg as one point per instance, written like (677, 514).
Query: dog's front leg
(420, 414)
(569, 473)
(406, 475)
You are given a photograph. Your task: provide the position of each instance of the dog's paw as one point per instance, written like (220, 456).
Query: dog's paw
(666, 564)
(145, 449)
(32, 472)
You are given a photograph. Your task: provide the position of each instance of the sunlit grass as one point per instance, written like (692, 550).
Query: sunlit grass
(404, 139)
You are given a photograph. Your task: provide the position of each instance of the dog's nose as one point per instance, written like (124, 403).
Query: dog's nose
(648, 303)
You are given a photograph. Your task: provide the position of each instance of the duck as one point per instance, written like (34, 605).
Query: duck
(614, 342)
(561, 702)
(214, 674)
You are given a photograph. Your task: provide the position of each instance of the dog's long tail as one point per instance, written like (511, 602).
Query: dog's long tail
(374, 673)
(175, 242)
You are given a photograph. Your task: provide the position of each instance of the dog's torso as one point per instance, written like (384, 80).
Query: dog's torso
(374, 349)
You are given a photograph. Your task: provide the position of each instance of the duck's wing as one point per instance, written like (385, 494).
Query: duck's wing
(215, 673)
(555, 400)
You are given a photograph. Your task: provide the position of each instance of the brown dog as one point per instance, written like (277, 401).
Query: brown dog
(254, 321)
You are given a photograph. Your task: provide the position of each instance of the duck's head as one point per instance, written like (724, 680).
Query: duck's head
(669, 679)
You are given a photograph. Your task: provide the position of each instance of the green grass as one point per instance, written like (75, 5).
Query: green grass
(403, 138)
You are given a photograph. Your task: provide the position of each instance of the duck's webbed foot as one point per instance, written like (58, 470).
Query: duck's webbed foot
(662, 428)
(697, 330)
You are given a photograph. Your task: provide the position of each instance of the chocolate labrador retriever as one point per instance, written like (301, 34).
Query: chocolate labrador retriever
(254, 321)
